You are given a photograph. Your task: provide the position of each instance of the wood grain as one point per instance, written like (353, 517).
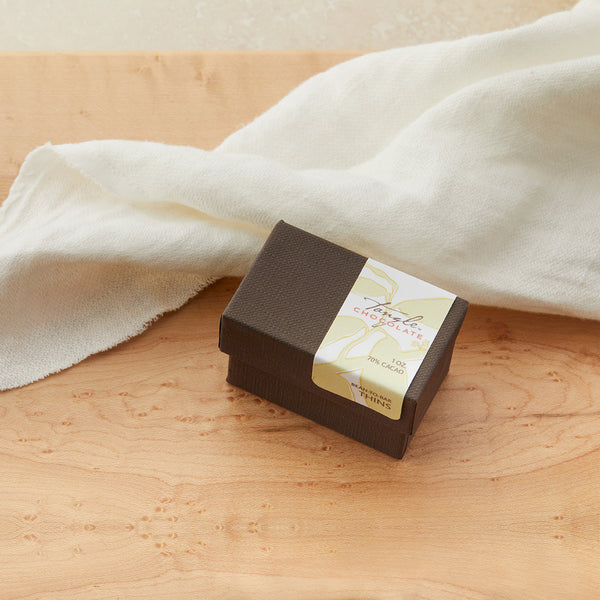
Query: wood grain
(188, 98)
(140, 473)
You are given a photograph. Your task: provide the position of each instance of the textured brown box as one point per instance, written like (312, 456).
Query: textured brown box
(278, 318)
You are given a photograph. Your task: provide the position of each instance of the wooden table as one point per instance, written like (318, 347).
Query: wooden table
(140, 473)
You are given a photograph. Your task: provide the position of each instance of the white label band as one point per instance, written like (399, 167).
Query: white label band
(379, 338)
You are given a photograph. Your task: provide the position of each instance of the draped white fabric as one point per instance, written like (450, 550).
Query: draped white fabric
(472, 164)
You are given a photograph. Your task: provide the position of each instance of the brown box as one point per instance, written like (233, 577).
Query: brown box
(278, 318)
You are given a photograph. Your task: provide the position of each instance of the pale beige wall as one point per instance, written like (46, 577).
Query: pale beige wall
(253, 24)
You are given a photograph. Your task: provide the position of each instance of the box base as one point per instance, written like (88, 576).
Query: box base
(309, 405)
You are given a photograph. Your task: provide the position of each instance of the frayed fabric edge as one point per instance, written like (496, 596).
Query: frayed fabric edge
(78, 359)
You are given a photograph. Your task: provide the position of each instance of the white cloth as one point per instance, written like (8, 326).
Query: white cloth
(472, 164)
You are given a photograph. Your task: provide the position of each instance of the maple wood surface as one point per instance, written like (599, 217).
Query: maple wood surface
(140, 473)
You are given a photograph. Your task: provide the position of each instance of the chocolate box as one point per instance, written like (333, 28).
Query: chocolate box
(341, 339)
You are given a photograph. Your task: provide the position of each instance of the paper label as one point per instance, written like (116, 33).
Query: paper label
(378, 340)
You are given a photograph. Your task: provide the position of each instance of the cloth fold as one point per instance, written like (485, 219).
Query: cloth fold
(473, 164)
